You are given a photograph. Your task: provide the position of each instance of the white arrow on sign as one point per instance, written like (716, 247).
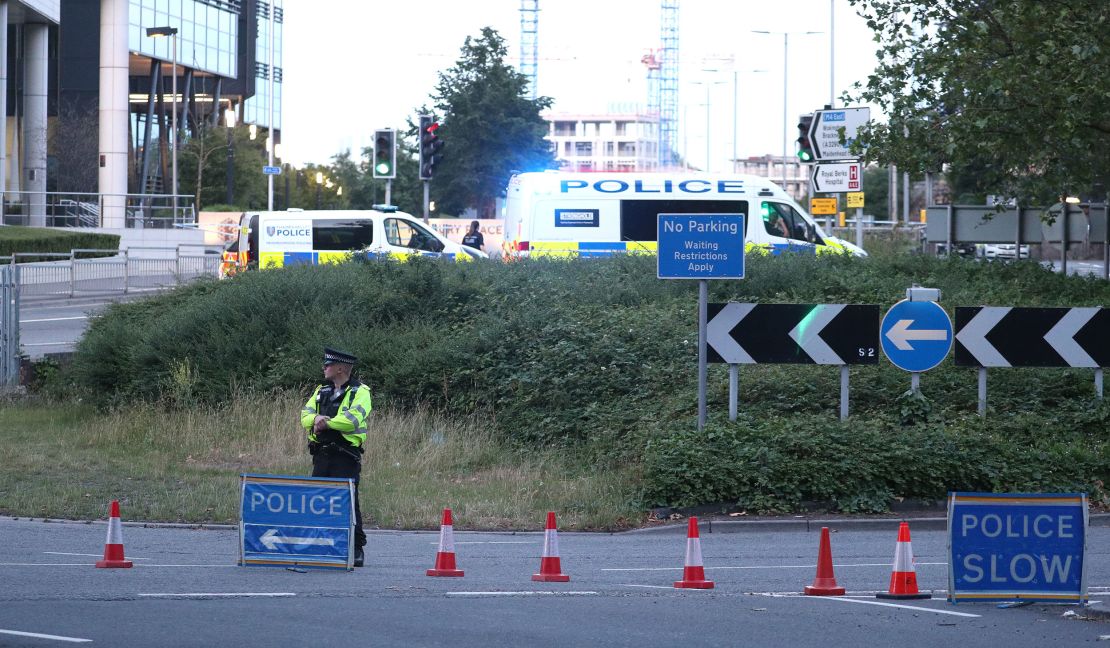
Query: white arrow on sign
(718, 333)
(974, 336)
(901, 334)
(271, 539)
(808, 334)
(1061, 337)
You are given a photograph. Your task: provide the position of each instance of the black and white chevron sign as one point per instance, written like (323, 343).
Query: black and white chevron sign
(827, 334)
(1003, 336)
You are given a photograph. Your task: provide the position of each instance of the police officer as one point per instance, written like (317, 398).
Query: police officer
(335, 419)
(473, 237)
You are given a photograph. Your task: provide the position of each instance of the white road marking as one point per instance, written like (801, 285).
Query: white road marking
(524, 593)
(64, 553)
(218, 594)
(459, 542)
(895, 605)
(85, 564)
(53, 319)
(714, 567)
(31, 344)
(38, 635)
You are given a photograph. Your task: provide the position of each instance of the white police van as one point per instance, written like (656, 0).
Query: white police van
(554, 213)
(277, 239)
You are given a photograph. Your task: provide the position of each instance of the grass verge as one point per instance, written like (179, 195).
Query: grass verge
(182, 465)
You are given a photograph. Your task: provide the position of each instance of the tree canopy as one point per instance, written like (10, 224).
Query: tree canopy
(1011, 94)
(490, 127)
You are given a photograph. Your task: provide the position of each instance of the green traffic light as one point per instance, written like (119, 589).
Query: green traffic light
(804, 156)
(382, 168)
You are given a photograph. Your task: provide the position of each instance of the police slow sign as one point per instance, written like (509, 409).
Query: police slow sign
(1006, 547)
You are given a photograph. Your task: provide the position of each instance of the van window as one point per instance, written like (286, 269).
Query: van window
(782, 220)
(640, 218)
(340, 234)
(402, 233)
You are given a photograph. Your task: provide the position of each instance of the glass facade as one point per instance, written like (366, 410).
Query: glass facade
(256, 109)
(207, 36)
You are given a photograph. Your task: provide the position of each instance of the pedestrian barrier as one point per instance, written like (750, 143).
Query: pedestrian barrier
(903, 576)
(551, 571)
(113, 546)
(824, 583)
(445, 557)
(693, 574)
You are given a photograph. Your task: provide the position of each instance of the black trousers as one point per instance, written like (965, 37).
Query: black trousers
(336, 463)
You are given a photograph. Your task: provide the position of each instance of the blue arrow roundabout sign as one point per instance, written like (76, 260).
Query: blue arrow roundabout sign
(916, 335)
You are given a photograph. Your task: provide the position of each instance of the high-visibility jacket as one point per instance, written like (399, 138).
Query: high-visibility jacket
(349, 419)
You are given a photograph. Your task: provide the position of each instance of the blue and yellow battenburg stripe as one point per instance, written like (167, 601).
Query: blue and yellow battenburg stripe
(591, 249)
(284, 259)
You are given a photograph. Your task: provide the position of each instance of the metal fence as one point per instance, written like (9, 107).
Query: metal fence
(88, 271)
(9, 327)
(62, 209)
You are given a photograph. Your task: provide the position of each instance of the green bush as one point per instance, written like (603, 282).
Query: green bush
(601, 353)
(15, 238)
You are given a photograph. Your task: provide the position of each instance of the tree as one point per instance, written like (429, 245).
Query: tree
(490, 128)
(207, 150)
(1011, 94)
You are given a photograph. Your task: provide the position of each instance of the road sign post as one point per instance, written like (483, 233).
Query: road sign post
(702, 247)
(1023, 546)
(296, 521)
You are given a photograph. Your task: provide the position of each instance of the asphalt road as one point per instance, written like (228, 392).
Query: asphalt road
(55, 325)
(185, 591)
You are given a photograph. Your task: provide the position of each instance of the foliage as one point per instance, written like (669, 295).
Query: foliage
(599, 353)
(1010, 94)
(16, 238)
(490, 128)
(207, 150)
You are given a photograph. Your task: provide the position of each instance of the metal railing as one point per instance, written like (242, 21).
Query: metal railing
(111, 271)
(9, 327)
(64, 209)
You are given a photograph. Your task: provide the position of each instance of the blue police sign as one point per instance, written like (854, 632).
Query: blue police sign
(304, 521)
(701, 246)
(916, 335)
(1019, 546)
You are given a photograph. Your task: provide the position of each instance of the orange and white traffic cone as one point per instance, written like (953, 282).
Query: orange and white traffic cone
(551, 570)
(903, 576)
(113, 546)
(445, 557)
(693, 574)
(824, 584)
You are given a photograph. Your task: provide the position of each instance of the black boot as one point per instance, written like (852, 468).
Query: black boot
(358, 557)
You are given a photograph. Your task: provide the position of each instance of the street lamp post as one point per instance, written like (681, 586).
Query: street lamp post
(708, 85)
(785, 86)
(158, 32)
(229, 121)
(319, 181)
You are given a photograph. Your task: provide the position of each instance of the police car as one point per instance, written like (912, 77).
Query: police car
(556, 213)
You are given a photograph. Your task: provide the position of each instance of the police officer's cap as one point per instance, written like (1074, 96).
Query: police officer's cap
(331, 356)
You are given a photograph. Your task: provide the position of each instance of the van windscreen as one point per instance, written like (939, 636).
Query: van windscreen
(342, 234)
(640, 218)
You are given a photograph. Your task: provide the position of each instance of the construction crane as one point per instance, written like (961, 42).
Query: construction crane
(662, 82)
(529, 41)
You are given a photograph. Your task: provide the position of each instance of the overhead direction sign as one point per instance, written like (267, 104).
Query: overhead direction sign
(1001, 336)
(825, 334)
(822, 206)
(701, 246)
(1006, 547)
(303, 521)
(916, 335)
(837, 178)
(824, 133)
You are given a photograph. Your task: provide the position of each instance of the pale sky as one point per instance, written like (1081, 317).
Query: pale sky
(353, 66)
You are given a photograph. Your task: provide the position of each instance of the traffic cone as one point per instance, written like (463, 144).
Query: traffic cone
(551, 571)
(445, 557)
(113, 546)
(693, 574)
(903, 576)
(824, 584)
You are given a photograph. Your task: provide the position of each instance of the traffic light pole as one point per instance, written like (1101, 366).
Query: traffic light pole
(388, 191)
(427, 186)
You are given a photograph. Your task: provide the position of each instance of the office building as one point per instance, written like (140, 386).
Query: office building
(604, 142)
